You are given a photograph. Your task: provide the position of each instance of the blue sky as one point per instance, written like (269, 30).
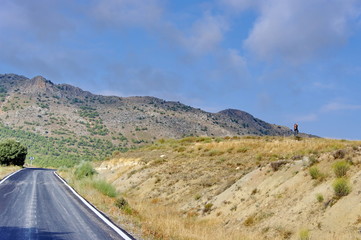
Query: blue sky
(283, 61)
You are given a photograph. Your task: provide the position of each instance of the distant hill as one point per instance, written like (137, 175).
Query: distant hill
(60, 121)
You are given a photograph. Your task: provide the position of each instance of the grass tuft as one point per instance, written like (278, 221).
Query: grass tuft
(319, 197)
(304, 234)
(341, 187)
(105, 188)
(340, 168)
(316, 174)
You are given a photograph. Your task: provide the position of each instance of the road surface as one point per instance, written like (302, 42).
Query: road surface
(36, 205)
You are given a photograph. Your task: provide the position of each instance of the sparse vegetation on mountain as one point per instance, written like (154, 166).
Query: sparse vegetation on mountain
(67, 125)
(60, 151)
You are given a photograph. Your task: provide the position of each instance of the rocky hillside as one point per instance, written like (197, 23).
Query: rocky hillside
(75, 119)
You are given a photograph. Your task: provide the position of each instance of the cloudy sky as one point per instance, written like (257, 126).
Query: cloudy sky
(283, 61)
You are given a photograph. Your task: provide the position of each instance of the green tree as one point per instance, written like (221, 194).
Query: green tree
(12, 153)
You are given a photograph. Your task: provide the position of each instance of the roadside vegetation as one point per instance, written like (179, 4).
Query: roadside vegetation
(201, 188)
(6, 170)
(60, 151)
(12, 153)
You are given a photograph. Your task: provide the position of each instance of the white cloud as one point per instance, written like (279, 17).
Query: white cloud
(337, 106)
(205, 34)
(127, 13)
(239, 5)
(320, 85)
(201, 36)
(231, 67)
(10, 14)
(41, 20)
(326, 109)
(136, 80)
(296, 30)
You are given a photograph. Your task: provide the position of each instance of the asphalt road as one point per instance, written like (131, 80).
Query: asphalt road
(36, 205)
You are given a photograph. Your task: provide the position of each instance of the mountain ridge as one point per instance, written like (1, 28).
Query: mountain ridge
(54, 110)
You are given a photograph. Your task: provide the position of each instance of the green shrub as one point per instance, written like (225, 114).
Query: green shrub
(314, 172)
(12, 153)
(85, 169)
(317, 174)
(105, 188)
(305, 234)
(319, 197)
(340, 168)
(123, 205)
(207, 207)
(341, 187)
(197, 196)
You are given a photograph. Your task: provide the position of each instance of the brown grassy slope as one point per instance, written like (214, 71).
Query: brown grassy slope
(203, 188)
(6, 170)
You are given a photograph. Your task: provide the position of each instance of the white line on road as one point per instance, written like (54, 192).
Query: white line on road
(109, 223)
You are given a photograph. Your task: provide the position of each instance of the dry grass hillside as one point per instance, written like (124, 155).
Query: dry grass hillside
(240, 188)
(6, 170)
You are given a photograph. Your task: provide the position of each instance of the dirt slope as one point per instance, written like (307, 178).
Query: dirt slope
(252, 187)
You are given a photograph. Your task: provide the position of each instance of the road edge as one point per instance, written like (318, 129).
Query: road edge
(5, 178)
(121, 232)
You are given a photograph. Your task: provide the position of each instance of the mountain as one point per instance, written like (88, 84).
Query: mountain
(76, 123)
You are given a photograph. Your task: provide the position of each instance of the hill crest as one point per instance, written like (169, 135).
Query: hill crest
(47, 109)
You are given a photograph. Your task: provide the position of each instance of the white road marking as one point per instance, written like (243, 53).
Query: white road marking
(109, 223)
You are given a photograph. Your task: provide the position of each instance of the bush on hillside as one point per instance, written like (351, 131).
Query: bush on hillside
(316, 174)
(341, 187)
(123, 204)
(340, 168)
(105, 188)
(84, 169)
(12, 153)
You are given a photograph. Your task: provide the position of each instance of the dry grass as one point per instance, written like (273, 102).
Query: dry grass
(269, 148)
(170, 174)
(154, 220)
(164, 222)
(4, 171)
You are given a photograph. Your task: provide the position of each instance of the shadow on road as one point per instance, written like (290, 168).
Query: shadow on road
(14, 233)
